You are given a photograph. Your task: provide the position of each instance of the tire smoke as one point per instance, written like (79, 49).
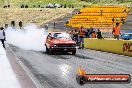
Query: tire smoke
(29, 38)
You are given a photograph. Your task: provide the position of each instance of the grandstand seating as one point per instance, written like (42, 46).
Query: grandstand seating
(99, 17)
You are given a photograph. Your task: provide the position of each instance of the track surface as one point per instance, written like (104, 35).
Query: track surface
(59, 71)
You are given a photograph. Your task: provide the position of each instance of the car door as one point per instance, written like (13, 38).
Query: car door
(130, 36)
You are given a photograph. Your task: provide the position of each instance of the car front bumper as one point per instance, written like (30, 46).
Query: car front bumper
(66, 49)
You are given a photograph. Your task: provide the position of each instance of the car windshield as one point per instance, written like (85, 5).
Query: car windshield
(126, 35)
(62, 35)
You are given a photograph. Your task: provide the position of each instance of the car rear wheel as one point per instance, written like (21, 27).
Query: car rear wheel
(73, 52)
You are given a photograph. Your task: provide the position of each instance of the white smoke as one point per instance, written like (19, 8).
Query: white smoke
(29, 38)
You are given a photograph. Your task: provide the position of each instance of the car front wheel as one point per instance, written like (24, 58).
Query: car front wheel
(47, 50)
(73, 52)
(50, 51)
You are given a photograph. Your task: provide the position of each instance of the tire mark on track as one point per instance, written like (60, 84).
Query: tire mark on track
(74, 61)
(107, 69)
(46, 80)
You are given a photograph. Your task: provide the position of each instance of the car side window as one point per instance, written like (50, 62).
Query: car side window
(55, 35)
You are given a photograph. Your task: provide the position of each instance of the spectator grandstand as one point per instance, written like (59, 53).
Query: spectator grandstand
(102, 17)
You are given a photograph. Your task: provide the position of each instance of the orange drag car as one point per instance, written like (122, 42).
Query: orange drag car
(60, 42)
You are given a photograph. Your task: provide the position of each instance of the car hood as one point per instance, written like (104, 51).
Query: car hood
(63, 41)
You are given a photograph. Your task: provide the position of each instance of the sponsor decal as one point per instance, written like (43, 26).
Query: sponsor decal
(83, 78)
(127, 47)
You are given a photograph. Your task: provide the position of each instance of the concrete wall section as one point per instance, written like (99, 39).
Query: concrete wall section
(110, 45)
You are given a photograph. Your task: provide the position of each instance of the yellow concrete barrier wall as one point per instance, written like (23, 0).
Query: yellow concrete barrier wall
(123, 47)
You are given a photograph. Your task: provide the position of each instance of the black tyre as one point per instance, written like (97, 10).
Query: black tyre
(73, 52)
(47, 50)
(82, 80)
(50, 51)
